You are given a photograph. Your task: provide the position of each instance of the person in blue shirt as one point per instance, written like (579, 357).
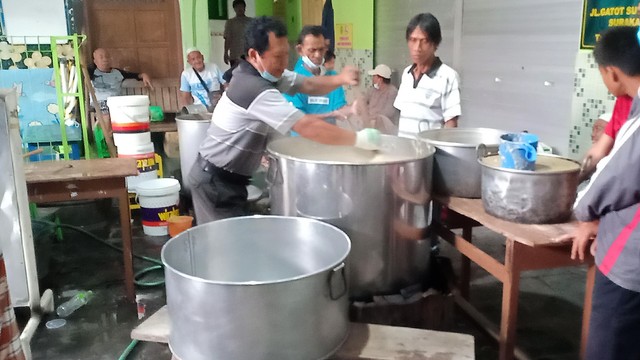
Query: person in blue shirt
(312, 47)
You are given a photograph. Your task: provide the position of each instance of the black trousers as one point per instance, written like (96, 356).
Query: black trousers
(614, 329)
(216, 193)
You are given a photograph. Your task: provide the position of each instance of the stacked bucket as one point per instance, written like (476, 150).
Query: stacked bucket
(132, 136)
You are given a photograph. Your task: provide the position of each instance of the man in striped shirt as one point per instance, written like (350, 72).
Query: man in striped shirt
(250, 109)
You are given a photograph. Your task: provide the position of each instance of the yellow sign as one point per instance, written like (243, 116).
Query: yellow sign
(344, 36)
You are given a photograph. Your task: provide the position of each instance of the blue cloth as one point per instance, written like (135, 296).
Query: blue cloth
(36, 95)
(323, 104)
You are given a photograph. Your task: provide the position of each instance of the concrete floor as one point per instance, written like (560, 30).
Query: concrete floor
(549, 314)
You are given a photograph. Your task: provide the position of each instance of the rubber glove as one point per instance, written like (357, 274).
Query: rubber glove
(368, 139)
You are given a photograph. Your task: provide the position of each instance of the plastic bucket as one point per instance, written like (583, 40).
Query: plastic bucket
(518, 151)
(131, 139)
(145, 162)
(159, 201)
(129, 114)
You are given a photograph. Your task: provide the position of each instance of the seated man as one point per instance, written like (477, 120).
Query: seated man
(202, 83)
(107, 80)
(603, 140)
(311, 48)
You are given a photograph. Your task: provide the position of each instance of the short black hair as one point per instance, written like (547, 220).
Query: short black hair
(618, 46)
(386, 81)
(329, 55)
(428, 24)
(314, 30)
(238, 2)
(257, 33)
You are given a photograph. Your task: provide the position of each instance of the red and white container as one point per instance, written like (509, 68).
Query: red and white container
(130, 119)
(144, 154)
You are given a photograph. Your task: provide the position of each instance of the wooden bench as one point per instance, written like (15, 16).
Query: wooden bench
(365, 341)
(165, 92)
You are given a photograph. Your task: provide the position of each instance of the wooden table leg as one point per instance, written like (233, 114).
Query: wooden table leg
(510, 291)
(465, 266)
(586, 313)
(125, 225)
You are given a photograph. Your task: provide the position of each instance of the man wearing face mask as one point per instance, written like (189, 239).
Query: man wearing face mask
(312, 48)
(379, 100)
(251, 109)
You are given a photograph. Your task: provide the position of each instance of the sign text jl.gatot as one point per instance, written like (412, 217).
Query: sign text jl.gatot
(598, 15)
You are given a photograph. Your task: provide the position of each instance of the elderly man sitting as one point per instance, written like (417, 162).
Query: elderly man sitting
(202, 83)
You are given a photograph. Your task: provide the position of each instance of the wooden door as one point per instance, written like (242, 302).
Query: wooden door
(140, 35)
(312, 12)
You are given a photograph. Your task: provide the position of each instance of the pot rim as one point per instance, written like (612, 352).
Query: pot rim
(430, 151)
(343, 258)
(421, 136)
(529, 172)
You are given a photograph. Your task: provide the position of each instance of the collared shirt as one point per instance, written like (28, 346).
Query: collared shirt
(612, 197)
(211, 75)
(234, 33)
(244, 117)
(317, 104)
(428, 101)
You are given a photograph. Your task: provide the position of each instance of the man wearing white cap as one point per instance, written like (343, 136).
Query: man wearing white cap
(380, 99)
(202, 83)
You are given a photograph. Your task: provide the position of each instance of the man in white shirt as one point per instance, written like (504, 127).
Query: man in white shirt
(428, 97)
(202, 83)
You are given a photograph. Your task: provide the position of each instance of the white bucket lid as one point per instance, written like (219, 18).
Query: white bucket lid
(128, 100)
(158, 187)
(135, 149)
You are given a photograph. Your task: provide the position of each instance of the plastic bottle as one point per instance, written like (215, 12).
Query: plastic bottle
(68, 307)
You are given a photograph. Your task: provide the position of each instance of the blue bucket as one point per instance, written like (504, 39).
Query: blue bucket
(518, 151)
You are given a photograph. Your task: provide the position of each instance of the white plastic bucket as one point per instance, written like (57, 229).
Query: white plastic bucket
(145, 157)
(159, 201)
(131, 139)
(129, 114)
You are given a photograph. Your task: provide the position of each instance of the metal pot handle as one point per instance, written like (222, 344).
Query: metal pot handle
(343, 282)
(272, 171)
(481, 151)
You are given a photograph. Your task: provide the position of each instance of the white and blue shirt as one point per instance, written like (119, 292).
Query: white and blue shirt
(212, 77)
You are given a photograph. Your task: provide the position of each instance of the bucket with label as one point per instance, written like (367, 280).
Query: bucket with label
(518, 151)
(159, 201)
(144, 154)
(129, 119)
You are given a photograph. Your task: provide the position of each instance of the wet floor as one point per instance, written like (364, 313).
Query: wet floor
(549, 318)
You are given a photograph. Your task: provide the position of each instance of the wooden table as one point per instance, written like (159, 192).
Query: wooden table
(365, 341)
(528, 247)
(55, 181)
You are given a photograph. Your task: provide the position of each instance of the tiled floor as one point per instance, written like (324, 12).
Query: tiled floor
(549, 316)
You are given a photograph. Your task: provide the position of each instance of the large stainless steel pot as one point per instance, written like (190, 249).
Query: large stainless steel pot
(377, 198)
(192, 129)
(262, 287)
(543, 196)
(456, 171)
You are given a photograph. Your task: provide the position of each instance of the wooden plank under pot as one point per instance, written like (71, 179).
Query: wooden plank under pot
(365, 341)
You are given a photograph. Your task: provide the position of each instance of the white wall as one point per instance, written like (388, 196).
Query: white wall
(34, 18)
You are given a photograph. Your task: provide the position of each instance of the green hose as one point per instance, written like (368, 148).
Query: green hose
(128, 350)
(137, 276)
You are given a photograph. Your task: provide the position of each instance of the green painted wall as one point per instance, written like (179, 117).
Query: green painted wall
(360, 14)
(194, 23)
(264, 7)
(294, 19)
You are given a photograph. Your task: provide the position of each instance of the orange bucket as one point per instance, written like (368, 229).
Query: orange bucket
(178, 224)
